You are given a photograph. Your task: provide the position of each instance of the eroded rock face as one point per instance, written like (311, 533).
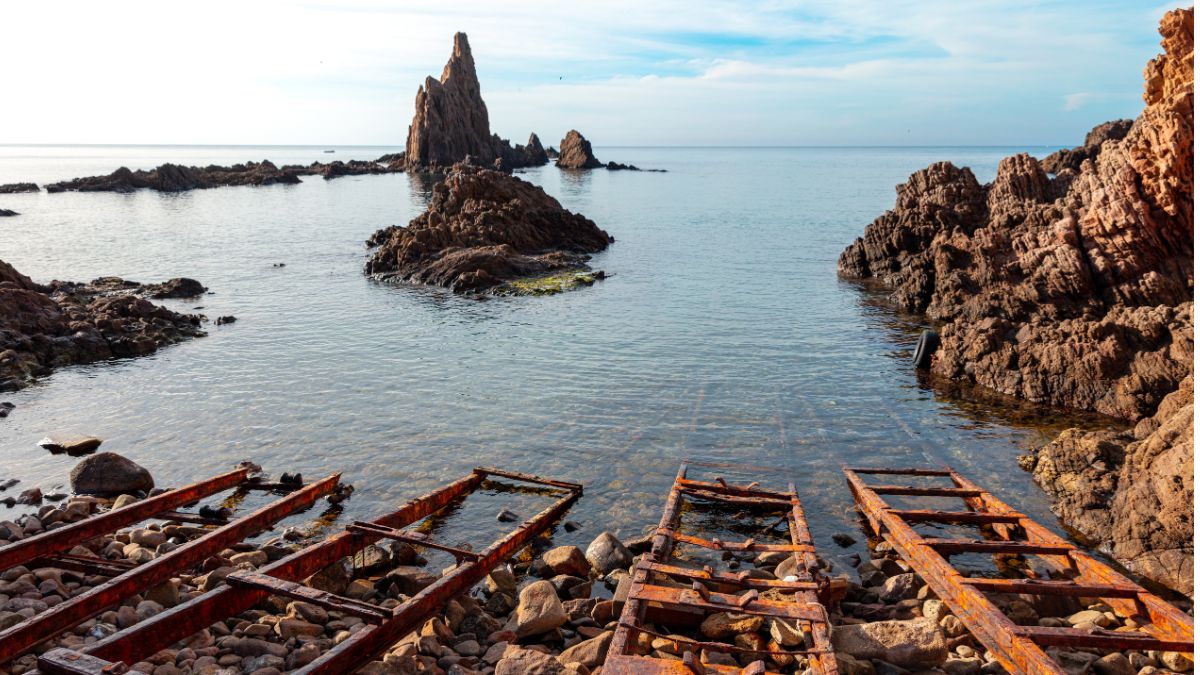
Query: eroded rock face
(1072, 159)
(1133, 489)
(1073, 291)
(575, 152)
(451, 122)
(482, 228)
(45, 327)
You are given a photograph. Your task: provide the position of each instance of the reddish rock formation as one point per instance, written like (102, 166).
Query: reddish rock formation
(1075, 291)
(1072, 159)
(482, 228)
(575, 152)
(176, 178)
(46, 327)
(451, 122)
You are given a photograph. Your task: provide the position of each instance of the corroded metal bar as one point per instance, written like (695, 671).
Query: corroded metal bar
(290, 589)
(19, 638)
(1043, 587)
(1163, 619)
(955, 517)
(363, 646)
(161, 631)
(412, 538)
(882, 470)
(983, 619)
(803, 604)
(528, 478)
(923, 491)
(65, 538)
(1018, 648)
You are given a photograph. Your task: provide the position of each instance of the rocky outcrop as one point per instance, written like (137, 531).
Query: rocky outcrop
(46, 327)
(1131, 491)
(1073, 291)
(1072, 158)
(12, 188)
(451, 122)
(4, 213)
(483, 228)
(177, 178)
(575, 152)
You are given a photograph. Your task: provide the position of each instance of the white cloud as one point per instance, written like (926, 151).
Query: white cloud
(1077, 100)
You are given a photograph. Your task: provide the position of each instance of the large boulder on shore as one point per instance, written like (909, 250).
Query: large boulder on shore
(482, 228)
(108, 473)
(575, 152)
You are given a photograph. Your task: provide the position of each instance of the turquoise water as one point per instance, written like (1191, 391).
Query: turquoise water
(723, 333)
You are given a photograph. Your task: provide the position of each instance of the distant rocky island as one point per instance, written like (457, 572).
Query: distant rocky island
(1075, 291)
(43, 327)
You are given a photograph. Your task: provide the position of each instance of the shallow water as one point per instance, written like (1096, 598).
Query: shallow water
(722, 334)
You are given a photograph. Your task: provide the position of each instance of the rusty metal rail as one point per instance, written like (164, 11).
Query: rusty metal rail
(128, 579)
(793, 599)
(1019, 648)
(384, 627)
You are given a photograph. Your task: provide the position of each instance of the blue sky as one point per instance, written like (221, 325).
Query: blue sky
(848, 72)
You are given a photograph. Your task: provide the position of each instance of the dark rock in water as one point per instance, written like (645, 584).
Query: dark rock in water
(180, 287)
(483, 228)
(8, 212)
(843, 540)
(6, 407)
(74, 447)
(575, 152)
(42, 327)
(110, 474)
(30, 496)
(223, 320)
(12, 188)
(177, 178)
(1072, 159)
(552, 152)
(506, 516)
(451, 122)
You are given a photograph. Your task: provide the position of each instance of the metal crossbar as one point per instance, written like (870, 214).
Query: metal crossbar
(131, 580)
(1019, 648)
(713, 591)
(384, 627)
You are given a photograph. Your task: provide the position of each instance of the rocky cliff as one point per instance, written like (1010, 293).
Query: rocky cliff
(46, 327)
(482, 228)
(451, 122)
(1074, 290)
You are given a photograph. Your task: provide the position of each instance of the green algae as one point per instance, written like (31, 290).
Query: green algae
(549, 284)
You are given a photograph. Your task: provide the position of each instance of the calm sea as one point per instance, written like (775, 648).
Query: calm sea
(723, 333)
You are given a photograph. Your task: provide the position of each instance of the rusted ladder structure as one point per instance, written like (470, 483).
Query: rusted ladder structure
(51, 548)
(795, 599)
(384, 627)
(1019, 648)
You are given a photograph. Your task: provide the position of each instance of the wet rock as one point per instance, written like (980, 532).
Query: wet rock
(75, 447)
(606, 553)
(842, 539)
(108, 473)
(538, 609)
(909, 644)
(30, 496)
(180, 287)
(483, 228)
(13, 188)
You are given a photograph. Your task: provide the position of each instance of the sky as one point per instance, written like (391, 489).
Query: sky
(701, 72)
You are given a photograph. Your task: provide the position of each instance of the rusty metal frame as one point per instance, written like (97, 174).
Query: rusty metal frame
(1018, 648)
(127, 582)
(384, 627)
(647, 596)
